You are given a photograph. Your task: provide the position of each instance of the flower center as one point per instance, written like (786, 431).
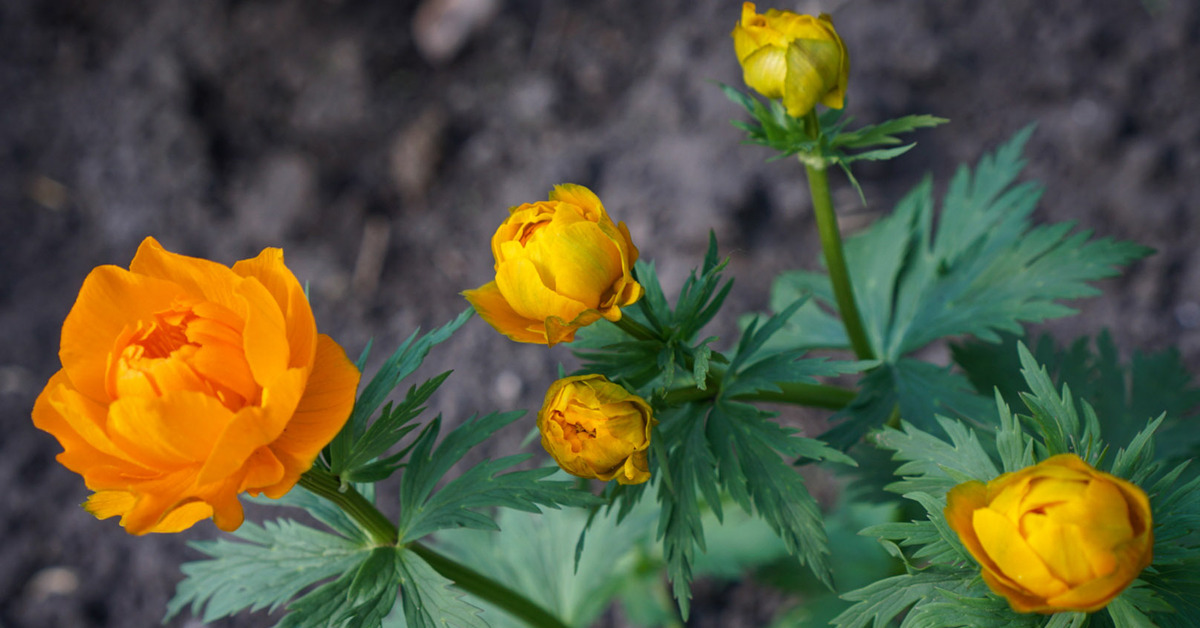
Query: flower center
(576, 434)
(190, 347)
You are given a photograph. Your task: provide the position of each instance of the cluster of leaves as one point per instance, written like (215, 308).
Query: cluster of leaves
(941, 586)
(774, 128)
(278, 563)
(710, 443)
(982, 271)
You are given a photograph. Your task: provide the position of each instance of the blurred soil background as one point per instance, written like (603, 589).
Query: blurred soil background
(380, 143)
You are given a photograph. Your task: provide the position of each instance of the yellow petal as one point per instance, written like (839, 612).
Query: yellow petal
(583, 262)
(765, 71)
(811, 71)
(1061, 549)
(495, 310)
(581, 197)
(154, 498)
(105, 504)
(522, 287)
(1013, 557)
(636, 470)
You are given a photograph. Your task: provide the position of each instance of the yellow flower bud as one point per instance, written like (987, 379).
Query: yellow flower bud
(1057, 536)
(561, 264)
(799, 58)
(596, 429)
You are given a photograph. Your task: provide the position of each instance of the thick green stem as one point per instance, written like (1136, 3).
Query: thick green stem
(323, 483)
(635, 329)
(835, 258)
(795, 393)
(487, 589)
(327, 485)
(811, 395)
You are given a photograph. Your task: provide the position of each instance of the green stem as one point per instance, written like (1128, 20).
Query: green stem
(811, 395)
(635, 329)
(487, 589)
(795, 393)
(323, 483)
(835, 258)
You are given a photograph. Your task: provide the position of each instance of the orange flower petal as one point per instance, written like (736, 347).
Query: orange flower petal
(254, 427)
(110, 300)
(268, 269)
(182, 518)
(154, 499)
(79, 424)
(198, 277)
(265, 335)
(323, 410)
(168, 432)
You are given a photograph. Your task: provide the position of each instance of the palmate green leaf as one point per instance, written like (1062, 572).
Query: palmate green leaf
(877, 604)
(918, 391)
(756, 475)
(533, 554)
(428, 599)
(361, 440)
(983, 271)
(483, 486)
(931, 464)
(1124, 394)
(395, 422)
(810, 326)
(672, 355)
(323, 510)
(1165, 595)
(263, 569)
(691, 468)
(361, 596)
(736, 448)
(754, 368)
(884, 134)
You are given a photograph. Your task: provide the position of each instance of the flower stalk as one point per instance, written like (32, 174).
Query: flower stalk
(323, 483)
(384, 533)
(831, 245)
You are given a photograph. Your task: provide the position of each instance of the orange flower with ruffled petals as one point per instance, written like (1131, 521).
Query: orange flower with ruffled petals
(186, 382)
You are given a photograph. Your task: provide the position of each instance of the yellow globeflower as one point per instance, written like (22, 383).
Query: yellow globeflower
(1057, 536)
(596, 429)
(561, 264)
(799, 58)
(186, 382)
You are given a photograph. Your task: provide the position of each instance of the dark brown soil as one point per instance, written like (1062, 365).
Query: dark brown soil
(222, 127)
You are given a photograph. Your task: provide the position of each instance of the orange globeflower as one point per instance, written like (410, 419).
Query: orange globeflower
(1057, 536)
(186, 382)
(561, 264)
